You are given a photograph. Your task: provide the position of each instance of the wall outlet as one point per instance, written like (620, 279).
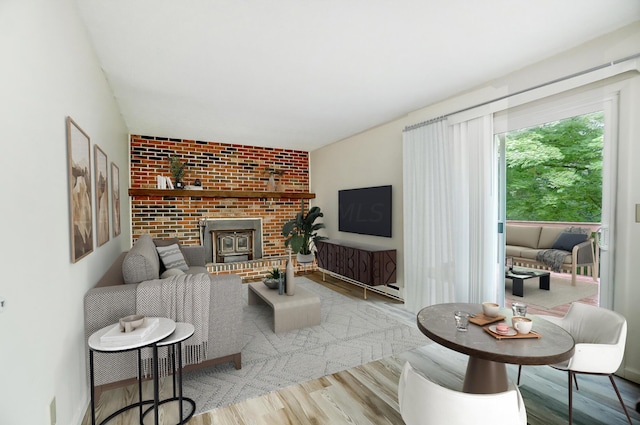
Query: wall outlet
(52, 411)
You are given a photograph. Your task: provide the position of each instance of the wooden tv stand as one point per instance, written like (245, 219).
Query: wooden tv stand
(362, 264)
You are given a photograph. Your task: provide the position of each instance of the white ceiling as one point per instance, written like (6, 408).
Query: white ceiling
(305, 73)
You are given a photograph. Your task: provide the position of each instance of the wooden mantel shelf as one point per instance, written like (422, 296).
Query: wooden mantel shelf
(219, 193)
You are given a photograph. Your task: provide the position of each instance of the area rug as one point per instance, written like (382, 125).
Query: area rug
(352, 332)
(561, 292)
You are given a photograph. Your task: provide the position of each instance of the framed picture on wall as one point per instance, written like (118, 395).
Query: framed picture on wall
(102, 196)
(115, 198)
(79, 163)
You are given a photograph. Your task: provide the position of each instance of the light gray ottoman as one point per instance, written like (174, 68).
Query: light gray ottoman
(289, 312)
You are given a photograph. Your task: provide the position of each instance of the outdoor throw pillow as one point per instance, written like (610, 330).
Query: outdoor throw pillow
(566, 241)
(172, 257)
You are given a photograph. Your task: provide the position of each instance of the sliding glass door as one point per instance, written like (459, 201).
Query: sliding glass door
(593, 166)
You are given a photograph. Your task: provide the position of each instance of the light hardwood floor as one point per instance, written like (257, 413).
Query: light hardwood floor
(368, 394)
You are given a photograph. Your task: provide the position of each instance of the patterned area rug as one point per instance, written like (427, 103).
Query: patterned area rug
(352, 332)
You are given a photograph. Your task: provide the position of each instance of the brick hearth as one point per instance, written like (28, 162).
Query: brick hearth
(222, 167)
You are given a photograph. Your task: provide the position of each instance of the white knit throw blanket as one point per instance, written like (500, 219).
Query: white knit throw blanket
(183, 298)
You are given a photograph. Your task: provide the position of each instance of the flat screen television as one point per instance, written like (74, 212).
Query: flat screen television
(366, 211)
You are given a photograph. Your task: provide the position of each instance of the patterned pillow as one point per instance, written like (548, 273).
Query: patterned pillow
(172, 257)
(166, 242)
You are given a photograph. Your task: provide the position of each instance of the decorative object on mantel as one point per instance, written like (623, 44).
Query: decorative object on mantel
(177, 170)
(301, 233)
(272, 186)
(197, 185)
(273, 279)
(161, 182)
(290, 282)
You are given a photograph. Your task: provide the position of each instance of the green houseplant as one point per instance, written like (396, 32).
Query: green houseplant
(177, 171)
(301, 232)
(273, 278)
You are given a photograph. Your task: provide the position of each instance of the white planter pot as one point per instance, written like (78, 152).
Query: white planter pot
(304, 258)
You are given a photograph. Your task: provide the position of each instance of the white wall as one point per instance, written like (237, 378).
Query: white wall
(375, 157)
(48, 72)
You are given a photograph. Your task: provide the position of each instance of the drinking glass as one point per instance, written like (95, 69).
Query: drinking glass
(462, 320)
(519, 309)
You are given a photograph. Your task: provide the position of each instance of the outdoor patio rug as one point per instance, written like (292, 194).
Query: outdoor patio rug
(561, 292)
(352, 332)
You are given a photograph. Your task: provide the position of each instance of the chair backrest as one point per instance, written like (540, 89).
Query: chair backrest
(594, 325)
(425, 402)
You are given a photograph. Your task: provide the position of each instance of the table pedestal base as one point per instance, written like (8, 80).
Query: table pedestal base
(485, 377)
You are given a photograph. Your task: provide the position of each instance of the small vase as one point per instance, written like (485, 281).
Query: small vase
(280, 285)
(271, 184)
(291, 285)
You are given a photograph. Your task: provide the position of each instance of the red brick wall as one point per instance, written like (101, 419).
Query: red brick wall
(219, 167)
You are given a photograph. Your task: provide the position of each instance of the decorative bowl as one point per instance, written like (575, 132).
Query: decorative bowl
(271, 283)
(131, 323)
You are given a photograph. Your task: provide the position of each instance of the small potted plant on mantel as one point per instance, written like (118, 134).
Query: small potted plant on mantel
(177, 171)
(301, 233)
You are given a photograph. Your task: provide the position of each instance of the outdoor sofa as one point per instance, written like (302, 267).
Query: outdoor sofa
(525, 245)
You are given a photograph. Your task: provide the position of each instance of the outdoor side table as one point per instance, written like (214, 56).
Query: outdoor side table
(165, 328)
(183, 332)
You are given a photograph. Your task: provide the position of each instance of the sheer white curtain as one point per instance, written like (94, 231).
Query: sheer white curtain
(427, 216)
(450, 213)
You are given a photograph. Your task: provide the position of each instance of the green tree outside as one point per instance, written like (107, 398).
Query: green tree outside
(554, 171)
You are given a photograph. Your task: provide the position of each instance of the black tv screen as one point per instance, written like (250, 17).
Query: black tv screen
(366, 211)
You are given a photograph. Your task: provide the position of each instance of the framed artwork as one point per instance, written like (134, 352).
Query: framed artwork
(115, 198)
(102, 196)
(80, 209)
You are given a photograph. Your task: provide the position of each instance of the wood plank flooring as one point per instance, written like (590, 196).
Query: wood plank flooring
(367, 394)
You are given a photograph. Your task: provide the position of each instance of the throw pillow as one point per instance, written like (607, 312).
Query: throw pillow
(171, 272)
(166, 242)
(566, 241)
(172, 257)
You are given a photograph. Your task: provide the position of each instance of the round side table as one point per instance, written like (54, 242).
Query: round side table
(183, 332)
(164, 328)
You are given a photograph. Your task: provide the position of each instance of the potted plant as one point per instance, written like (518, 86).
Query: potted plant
(273, 278)
(301, 233)
(177, 171)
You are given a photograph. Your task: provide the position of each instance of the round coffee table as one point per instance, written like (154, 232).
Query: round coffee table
(486, 370)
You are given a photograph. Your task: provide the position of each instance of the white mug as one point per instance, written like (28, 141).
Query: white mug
(522, 324)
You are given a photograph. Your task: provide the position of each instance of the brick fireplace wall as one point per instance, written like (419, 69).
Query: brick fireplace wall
(219, 167)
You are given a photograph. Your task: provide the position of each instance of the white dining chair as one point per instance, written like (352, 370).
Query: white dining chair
(423, 402)
(600, 336)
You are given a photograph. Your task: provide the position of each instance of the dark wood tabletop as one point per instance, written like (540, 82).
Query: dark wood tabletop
(438, 324)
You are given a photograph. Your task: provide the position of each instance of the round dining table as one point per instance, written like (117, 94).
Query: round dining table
(486, 368)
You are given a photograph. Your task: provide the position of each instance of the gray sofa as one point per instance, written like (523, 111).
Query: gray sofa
(114, 296)
(523, 243)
